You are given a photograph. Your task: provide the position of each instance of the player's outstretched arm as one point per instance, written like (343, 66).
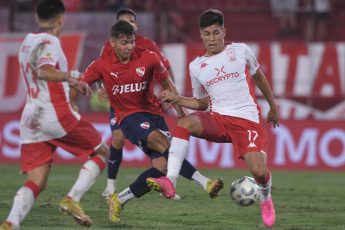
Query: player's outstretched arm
(261, 82)
(48, 73)
(187, 102)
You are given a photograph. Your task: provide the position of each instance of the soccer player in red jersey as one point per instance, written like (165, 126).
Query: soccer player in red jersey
(116, 148)
(48, 120)
(221, 81)
(128, 73)
(115, 159)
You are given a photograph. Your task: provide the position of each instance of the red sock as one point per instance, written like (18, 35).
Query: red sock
(266, 180)
(34, 187)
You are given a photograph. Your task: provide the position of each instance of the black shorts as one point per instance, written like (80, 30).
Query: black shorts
(137, 126)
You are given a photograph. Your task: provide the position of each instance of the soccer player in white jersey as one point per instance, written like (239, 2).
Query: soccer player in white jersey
(48, 120)
(221, 82)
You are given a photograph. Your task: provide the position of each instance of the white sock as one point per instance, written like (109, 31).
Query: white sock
(177, 153)
(23, 201)
(200, 179)
(111, 185)
(87, 177)
(125, 195)
(265, 190)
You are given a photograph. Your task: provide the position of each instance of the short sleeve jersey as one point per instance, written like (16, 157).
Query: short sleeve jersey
(225, 79)
(129, 86)
(47, 114)
(145, 43)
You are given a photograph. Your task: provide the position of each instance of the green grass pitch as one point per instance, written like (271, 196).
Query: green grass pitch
(303, 200)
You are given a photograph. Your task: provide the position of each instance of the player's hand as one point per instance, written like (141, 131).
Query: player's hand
(102, 95)
(273, 116)
(168, 97)
(80, 86)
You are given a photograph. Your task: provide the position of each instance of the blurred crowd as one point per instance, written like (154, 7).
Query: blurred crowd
(287, 13)
(305, 20)
(87, 5)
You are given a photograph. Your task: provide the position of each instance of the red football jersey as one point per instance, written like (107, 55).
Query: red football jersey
(129, 86)
(142, 42)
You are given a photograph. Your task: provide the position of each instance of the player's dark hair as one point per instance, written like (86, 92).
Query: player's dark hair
(211, 17)
(49, 9)
(122, 27)
(126, 11)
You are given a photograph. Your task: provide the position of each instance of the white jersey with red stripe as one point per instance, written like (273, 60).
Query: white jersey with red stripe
(47, 113)
(225, 79)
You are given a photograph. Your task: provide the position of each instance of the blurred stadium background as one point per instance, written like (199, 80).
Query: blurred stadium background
(304, 66)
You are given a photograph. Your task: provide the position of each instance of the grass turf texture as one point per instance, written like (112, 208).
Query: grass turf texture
(303, 200)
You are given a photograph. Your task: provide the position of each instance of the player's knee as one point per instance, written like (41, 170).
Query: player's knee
(192, 123)
(118, 140)
(165, 143)
(157, 141)
(118, 143)
(183, 122)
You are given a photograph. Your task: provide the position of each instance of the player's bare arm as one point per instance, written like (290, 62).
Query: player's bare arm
(170, 86)
(261, 82)
(187, 102)
(50, 74)
(169, 105)
(171, 74)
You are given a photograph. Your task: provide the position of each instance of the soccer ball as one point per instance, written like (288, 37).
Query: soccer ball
(244, 191)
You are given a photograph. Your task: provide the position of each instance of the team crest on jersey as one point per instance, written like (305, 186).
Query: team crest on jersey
(145, 125)
(113, 121)
(203, 65)
(140, 71)
(231, 53)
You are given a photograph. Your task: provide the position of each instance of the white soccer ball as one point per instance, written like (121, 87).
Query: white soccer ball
(244, 191)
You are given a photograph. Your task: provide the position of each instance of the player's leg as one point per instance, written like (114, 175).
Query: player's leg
(151, 141)
(198, 125)
(116, 153)
(137, 189)
(83, 141)
(186, 126)
(250, 138)
(114, 161)
(156, 141)
(256, 162)
(35, 159)
(189, 172)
